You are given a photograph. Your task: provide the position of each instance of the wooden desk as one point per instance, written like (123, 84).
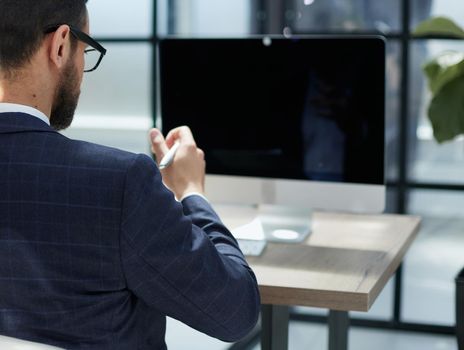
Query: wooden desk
(343, 266)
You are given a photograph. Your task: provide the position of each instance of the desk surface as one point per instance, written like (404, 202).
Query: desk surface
(343, 265)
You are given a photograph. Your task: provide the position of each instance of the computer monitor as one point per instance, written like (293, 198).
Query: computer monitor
(295, 122)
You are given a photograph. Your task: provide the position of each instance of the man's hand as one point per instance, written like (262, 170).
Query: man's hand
(187, 172)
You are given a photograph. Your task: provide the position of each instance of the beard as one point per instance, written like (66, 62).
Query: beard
(66, 98)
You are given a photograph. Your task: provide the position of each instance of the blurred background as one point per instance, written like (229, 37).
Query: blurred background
(118, 106)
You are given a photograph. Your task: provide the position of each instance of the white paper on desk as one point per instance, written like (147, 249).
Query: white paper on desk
(253, 231)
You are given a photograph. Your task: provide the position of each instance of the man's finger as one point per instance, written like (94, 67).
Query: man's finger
(182, 134)
(158, 144)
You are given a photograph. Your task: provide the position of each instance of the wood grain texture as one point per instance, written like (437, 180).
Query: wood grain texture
(343, 265)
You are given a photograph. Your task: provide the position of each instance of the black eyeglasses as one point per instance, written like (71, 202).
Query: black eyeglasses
(93, 56)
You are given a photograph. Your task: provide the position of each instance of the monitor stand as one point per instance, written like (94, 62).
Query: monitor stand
(285, 224)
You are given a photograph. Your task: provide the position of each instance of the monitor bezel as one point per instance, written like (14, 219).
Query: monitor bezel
(251, 190)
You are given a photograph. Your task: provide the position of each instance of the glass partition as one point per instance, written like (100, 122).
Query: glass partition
(121, 19)
(429, 161)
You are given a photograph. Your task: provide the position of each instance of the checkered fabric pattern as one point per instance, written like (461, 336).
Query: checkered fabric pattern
(95, 251)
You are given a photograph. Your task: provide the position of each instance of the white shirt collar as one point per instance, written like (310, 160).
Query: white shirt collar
(16, 108)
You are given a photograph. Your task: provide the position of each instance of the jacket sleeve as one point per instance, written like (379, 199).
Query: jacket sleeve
(181, 260)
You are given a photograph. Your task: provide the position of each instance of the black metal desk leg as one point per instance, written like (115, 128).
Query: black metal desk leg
(274, 327)
(338, 330)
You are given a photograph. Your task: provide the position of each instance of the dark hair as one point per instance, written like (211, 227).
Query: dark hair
(22, 24)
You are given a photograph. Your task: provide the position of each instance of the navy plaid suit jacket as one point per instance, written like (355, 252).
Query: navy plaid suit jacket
(95, 251)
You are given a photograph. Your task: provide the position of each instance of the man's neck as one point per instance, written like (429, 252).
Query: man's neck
(25, 89)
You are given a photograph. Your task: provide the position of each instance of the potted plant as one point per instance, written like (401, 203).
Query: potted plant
(445, 75)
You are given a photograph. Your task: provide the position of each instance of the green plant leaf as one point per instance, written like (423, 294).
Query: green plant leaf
(439, 26)
(446, 111)
(443, 69)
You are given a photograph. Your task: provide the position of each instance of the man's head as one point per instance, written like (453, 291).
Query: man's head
(55, 59)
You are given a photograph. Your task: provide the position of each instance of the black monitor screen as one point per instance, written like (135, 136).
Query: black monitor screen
(307, 108)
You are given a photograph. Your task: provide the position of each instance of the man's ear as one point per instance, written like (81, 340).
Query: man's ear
(60, 46)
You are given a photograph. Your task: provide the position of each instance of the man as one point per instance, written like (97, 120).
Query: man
(94, 250)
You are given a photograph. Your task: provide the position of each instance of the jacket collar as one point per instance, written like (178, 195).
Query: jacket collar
(21, 122)
(8, 107)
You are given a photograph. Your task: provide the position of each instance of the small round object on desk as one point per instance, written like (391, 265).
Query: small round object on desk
(285, 234)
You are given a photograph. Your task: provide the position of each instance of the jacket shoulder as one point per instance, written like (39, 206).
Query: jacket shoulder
(91, 154)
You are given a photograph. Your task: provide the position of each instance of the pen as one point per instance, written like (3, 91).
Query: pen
(169, 156)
